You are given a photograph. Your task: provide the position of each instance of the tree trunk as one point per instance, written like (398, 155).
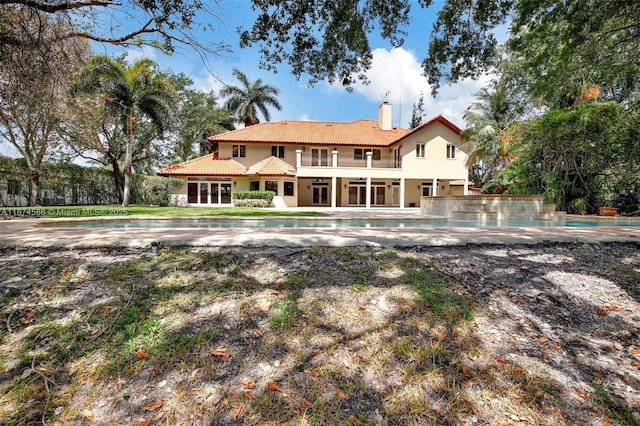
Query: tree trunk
(117, 177)
(35, 183)
(128, 160)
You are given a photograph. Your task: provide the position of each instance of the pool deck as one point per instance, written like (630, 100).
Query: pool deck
(23, 232)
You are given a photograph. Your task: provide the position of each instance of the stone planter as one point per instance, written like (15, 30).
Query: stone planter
(608, 211)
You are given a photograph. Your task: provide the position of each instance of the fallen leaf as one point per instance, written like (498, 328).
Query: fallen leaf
(635, 351)
(237, 413)
(142, 354)
(542, 340)
(142, 317)
(249, 395)
(307, 402)
(501, 360)
(147, 422)
(341, 394)
(603, 312)
(518, 369)
(221, 352)
(273, 387)
(260, 333)
(636, 364)
(159, 403)
(88, 414)
(557, 413)
(249, 384)
(440, 335)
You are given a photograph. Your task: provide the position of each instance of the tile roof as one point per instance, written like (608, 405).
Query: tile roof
(359, 133)
(207, 165)
(272, 166)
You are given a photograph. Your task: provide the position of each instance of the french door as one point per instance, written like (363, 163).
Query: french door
(209, 193)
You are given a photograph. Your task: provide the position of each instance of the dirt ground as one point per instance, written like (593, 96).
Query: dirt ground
(544, 334)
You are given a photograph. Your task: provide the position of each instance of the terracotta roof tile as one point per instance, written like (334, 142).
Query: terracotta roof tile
(207, 165)
(272, 166)
(358, 133)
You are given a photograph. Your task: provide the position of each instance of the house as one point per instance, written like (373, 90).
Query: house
(364, 163)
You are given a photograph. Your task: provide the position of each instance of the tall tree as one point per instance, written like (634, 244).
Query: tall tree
(199, 117)
(33, 88)
(417, 114)
(486, 139)
(138, 98)
(252, 97)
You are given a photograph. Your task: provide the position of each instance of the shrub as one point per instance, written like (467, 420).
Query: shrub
(152, 190)
(253, 198)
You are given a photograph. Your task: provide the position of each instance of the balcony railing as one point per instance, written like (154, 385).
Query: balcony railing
(347, 160)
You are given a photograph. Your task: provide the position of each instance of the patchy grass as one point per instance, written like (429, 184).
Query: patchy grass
(318, 336)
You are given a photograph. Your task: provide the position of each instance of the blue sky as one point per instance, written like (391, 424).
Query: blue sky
(397, 71)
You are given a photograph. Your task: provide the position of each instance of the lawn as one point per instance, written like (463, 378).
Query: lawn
(321, 336)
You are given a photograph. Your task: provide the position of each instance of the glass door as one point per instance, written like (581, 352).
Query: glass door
(204, 193)
(225, 193)
(320, 195)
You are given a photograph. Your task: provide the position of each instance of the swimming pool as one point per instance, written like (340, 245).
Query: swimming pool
(298, 222)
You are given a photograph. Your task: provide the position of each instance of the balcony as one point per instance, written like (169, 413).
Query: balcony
(347, 160)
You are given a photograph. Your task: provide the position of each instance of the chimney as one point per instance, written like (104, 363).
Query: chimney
(384, 116)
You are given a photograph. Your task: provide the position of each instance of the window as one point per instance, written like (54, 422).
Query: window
(277, 151)
(421, 150)
(254, 185)
(451, 151)
(239, 151)
(359, 153)
(319, 157)
(271, 185)
(288, 189)
(13, 187)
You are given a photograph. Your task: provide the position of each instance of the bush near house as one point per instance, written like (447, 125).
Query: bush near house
(253, 198)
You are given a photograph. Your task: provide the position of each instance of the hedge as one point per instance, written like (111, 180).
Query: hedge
(253, 198)
(70, 184)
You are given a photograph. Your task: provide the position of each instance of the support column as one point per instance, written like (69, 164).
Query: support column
(368, 192)
(435, 187)
(466, 186)
(334, 191)
(298, 158)
(334, 158)
(369, 155)
(402, 186)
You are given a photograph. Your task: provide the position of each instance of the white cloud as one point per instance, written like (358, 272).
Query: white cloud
(399, 72)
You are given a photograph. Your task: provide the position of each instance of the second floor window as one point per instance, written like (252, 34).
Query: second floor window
(421, 150)
(359, 153)
(239, 151)
(277, 151)
(451, 151)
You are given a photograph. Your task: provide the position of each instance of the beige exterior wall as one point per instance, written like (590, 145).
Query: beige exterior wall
(434, 170)
(435, 164)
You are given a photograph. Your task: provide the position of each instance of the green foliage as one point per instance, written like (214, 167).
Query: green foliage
(581, 158)
(253, 198)
(152, 190)
(417, 114)
(325, 39)
(71, 184)
(252, 97)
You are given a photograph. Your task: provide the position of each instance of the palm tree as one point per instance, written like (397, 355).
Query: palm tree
(244, 101)
(132, 94)
(486, 140)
